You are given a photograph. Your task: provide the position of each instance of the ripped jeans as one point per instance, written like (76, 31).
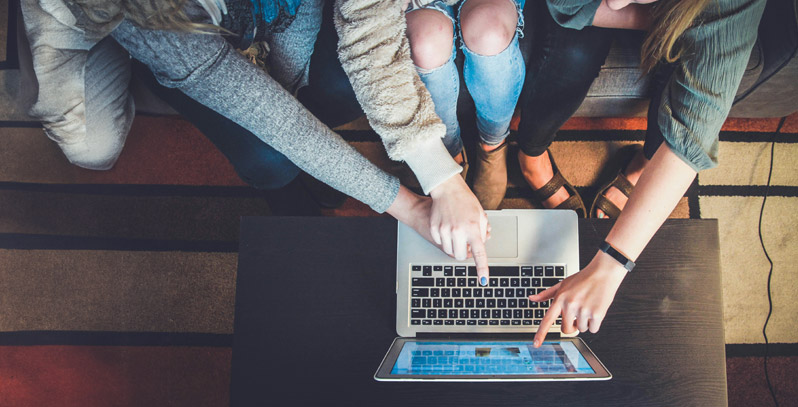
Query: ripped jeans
(494, 83)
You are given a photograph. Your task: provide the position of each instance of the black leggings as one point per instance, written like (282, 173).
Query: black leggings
(563, 64)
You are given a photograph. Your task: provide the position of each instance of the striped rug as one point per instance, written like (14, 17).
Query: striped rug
(117, 288)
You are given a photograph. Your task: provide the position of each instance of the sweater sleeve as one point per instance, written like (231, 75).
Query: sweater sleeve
(375, 54)
(576, 14)
(700, 93)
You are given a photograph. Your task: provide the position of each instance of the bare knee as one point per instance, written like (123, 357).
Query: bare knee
(488, 26)
(431, 34)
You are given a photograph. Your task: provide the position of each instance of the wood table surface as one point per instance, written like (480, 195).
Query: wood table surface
(315, 314)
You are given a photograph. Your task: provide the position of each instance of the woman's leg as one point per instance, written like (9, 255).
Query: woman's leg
(430, 32)
(659, 80)
(563, 65)
(494, 68)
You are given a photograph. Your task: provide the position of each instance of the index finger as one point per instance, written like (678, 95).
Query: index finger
(548, 320)
(480, 255)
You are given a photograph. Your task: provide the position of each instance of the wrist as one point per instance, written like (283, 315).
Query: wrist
(450, 184)
(605, 264)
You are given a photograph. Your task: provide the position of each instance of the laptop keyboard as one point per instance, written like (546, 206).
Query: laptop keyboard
(451, 295)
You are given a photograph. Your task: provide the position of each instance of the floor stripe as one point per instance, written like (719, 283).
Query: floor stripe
(19, 123)
(136, 189)
(747, 190)
(692, 200)
(18, 241)
(758, 349)
(86, 338)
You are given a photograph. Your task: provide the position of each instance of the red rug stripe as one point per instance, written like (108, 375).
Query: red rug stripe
(89, 376)
(166, 150)
(640, 123)
(791, 124)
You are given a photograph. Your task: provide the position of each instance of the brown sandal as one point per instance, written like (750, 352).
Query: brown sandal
(574, 202)
(623, 157)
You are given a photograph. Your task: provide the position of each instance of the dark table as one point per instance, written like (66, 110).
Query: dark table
(315, 311)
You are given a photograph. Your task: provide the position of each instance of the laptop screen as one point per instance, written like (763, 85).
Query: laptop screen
(490, 358)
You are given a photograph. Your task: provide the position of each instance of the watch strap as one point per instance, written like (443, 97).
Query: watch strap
(615, 254)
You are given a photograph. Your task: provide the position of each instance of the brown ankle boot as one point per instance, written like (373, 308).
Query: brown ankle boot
(490, 176)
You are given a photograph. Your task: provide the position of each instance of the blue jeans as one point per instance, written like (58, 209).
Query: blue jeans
(494, 83)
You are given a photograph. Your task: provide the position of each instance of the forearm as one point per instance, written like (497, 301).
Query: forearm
(631, 17)
(207, 70)
(662, 185)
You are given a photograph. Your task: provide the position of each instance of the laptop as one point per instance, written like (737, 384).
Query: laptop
(453, 329)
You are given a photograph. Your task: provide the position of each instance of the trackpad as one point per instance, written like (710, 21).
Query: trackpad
(503, 242)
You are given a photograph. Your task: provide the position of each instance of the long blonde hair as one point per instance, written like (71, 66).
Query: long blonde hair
(671, 19)
(149, 14)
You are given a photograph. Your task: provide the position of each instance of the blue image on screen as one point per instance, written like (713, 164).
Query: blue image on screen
(490, 358)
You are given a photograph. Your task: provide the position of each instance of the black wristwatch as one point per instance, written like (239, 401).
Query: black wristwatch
(620, 258)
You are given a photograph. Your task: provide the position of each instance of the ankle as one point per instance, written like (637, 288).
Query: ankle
(490, 147)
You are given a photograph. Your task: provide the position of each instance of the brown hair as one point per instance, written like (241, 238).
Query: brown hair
(149, 14)
(671, 19)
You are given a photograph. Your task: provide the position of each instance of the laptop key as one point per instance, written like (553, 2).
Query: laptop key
(482, 322)
(559, 271)
(488, 292)
(549, 271)
(517, 313)
(504, 282)
(472, 322)
(460, 322)
(416, 302)
(426, 322)
(437, 303)
(537, 322)
(450, 282)
(493, 322)
(448, 271)
(516, 322)
(460, 271)
(415, 322)
(446, 292)
(496, 313)
(474, 313)
(448, 322)
(550, 282)
(538, 271)
(420, 292)
(452, 313)
(440, 282)
(427, 270)
(418, 313)
(447, 303)
(461, 282)
(464, 313)
(493, 282)
(526, 282)
(485, 313)
(527, 322)
(480, 303)
(423, 282)
(435, 292)
(431, 313)
(490, 303)
(466, 292)
(472, 282)
(512, 303)
(519, 292)
(477, 292)
(528, 313)
(469, 303)
(509, 292)
(416, 268)
(437, 322)
(458, 303)
(507, 314)
(502, 303)
(515, 282)
(426, 303)
(505, 322)
(526, 271)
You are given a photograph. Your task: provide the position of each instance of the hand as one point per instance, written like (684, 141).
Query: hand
(413, 210)
(459, 225)
(583, 298)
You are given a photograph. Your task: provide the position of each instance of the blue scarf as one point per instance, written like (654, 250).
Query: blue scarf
(271, 10)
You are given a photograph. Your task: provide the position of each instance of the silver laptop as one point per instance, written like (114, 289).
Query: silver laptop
(451, 328)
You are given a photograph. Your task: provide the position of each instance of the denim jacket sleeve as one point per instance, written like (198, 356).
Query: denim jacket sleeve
(375, 54)
(699, 95)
